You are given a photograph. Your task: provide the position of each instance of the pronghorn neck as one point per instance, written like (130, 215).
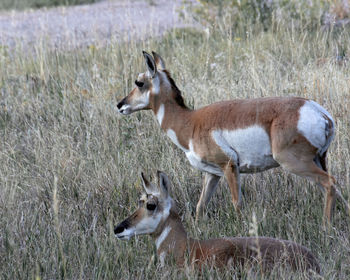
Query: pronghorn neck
(175, 121)
(171, 238)
(168, 112)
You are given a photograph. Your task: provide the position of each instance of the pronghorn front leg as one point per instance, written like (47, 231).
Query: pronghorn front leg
(231, 172)
(209, 186)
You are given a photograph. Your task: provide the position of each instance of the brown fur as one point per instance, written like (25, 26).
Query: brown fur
(265, 252)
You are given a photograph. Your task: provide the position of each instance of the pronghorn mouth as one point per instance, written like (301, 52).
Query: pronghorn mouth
(125, 110)
(123, 237)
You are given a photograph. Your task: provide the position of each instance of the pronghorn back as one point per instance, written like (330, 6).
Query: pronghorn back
(264, 252)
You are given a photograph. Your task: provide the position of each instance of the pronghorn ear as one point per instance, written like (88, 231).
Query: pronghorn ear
(164, 184)
(159, 61)
(149, 187)
(151, 65)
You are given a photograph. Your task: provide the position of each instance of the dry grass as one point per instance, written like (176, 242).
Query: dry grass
(69, 163)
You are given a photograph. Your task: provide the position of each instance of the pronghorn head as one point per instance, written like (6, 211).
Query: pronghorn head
(152, 88)
(154, 209)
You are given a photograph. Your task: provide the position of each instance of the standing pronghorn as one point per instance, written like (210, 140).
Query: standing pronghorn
(239, 136)
(157, 216)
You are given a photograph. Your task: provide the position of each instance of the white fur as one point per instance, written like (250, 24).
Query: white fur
(314, 127)
(156, 85)
(172, 135)
(224, 145)
(162, 258)
(162, 236)
(125, 235)
(146, 226)
(141, 102)
(165, 80)
(230, 262)
(196, 161)
(251, 145)
(167, 208)
(125, 109)
(160, 114)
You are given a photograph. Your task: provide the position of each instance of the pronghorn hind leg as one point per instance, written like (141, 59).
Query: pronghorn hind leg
(231, 172)
(307, 167)
(210, 184)
(321, 162)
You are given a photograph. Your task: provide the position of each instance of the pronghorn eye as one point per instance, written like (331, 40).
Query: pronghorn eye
(150, 206)
(139, 84)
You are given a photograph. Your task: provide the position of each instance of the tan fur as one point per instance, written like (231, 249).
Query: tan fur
(278, 116)
(261, 252)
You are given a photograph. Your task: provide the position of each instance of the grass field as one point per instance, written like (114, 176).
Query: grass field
(69, 163)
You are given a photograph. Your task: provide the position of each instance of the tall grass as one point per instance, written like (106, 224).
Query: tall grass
(69, 163)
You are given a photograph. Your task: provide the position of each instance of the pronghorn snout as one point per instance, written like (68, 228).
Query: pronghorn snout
(120, 104)
(119, 229)
(123, 108)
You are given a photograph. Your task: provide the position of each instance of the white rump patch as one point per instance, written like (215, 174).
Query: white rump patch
(172, 135)
(314, 126)
(197, 162)
(251, 145)
(162, 236)
(160, 114)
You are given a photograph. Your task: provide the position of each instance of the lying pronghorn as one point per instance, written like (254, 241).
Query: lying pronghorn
(157, 216)
(240, 136)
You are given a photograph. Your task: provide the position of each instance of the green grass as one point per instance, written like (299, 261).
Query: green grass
(69, 163)
(34, 4)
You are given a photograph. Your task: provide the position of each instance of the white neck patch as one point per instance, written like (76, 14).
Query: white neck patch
(160, 114)
(162, 236)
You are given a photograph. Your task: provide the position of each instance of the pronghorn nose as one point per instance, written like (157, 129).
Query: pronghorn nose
(121, 227)
(118, 229)
(121, 103)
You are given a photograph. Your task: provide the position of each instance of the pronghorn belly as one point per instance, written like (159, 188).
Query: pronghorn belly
(197, 162)
(316, 125)
(250, 147)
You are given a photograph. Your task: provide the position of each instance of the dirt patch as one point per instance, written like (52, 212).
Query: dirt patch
(76, 26)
